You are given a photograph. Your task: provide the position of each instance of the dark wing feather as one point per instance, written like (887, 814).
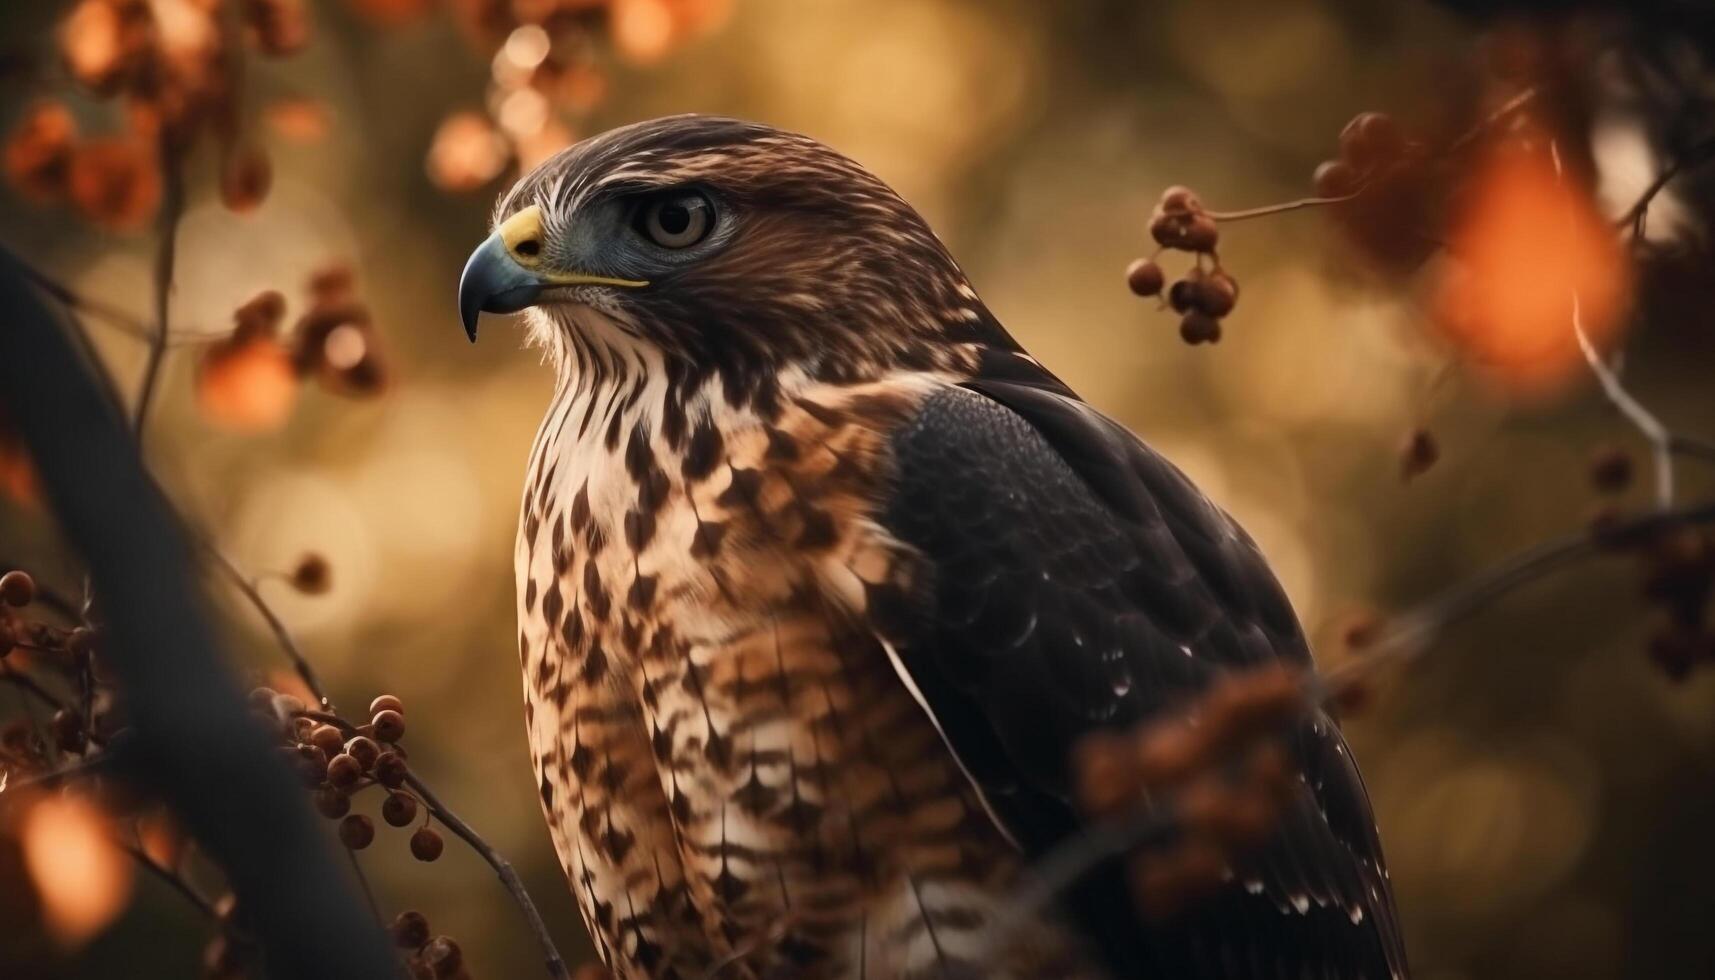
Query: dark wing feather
(1072, 579)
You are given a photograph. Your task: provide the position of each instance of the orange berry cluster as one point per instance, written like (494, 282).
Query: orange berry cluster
(1203, 296)
(1220, 769)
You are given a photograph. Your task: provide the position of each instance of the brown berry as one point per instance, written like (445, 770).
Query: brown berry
(312, 575)
(1179, 199)
(288, 705)
(17, 588)
(1335, 178)
(389, 725)
(1370, 140)
(1144, 277)
(443, 956)
(245, 177)
(1201, 234)
(390, 769)
(1199, 328)
(68, 731)
(426, 845)
(386, 702)
(364, 750)
(410, 930)
(1419, 452)
(399, 809)
(80, 642)
(1216, 294)
(332, 803)
(356, 831)
(344, 771)
(1182, 295)
(328, 739)
(1611, 469)
(1604, 523)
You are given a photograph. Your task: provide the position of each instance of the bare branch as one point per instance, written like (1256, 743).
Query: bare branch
(166, 254)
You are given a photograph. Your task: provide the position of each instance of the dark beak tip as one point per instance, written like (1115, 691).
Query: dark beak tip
(493, 283)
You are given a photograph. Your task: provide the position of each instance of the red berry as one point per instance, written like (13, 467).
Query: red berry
(356, 831)
(389, 725)
(1144, 277)
(17, 588)
(426, 845)
(399, 809)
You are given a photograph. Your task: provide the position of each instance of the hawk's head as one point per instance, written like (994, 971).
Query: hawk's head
(729, 246)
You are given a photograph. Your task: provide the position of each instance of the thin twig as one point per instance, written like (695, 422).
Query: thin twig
(174, 880)
(1636, 215)
(87, 765)
(1284, 206)
(555, 964)
(1645, 421)
(282, 635)
(1661, 440)
(166, 254)
(106, 313)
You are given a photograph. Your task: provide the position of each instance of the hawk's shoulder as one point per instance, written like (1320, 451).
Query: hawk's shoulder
(1070, 579)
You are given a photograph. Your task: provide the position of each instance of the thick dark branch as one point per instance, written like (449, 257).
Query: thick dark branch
(196, 741)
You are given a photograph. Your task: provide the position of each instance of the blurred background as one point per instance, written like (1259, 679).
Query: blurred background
(1544, 791)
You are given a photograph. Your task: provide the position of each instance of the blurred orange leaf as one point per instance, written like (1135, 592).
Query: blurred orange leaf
(1527, 241)
(82, 876)
(248, 385)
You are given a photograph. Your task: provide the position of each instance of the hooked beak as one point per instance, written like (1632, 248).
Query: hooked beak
(505, 273)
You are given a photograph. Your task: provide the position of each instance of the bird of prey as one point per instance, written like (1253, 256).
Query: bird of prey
(821, 576)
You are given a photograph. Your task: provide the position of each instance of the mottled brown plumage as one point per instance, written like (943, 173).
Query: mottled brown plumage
(820, 575)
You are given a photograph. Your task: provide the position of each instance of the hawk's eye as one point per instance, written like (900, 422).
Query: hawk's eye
(677, 220)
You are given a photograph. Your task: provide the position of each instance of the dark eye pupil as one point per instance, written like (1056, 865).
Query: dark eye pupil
(674, 219)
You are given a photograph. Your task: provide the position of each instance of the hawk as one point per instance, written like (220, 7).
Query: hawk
(821, 576)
